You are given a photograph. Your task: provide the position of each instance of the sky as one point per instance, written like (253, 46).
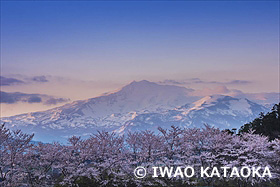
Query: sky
(76, 50)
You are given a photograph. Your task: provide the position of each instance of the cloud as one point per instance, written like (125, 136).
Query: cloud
(169, 81)
(211, 91)
(199, 81)
(34, 99)
(40, 79)
(238, 82)
(15, 97)
(4, 81)
(54, 101)
(8, 98)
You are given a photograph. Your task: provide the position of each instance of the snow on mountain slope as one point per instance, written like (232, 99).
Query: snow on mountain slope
(138, 106)
(217, 110)
(107, 112)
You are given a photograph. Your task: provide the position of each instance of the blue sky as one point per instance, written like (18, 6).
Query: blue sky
(124, 41)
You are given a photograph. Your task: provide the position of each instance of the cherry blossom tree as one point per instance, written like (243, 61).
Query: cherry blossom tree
(108, 159)
(13, 145)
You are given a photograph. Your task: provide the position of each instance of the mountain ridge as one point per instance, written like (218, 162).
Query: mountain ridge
(138, 105)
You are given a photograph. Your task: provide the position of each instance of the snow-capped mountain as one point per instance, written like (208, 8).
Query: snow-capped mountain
(217, 110)
(139, 105)
(105, 112)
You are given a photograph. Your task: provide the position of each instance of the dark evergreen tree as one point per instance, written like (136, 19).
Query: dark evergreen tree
(267, 124)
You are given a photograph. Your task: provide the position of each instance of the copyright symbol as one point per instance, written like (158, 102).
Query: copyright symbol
(140, 172)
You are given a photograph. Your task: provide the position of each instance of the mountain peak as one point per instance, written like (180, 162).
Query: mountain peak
(134, 85)
(140, 86)
(146, 88)
(141, 83)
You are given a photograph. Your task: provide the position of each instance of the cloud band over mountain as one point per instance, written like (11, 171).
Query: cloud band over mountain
(200, 81)
(15, 97)
(11, 81)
